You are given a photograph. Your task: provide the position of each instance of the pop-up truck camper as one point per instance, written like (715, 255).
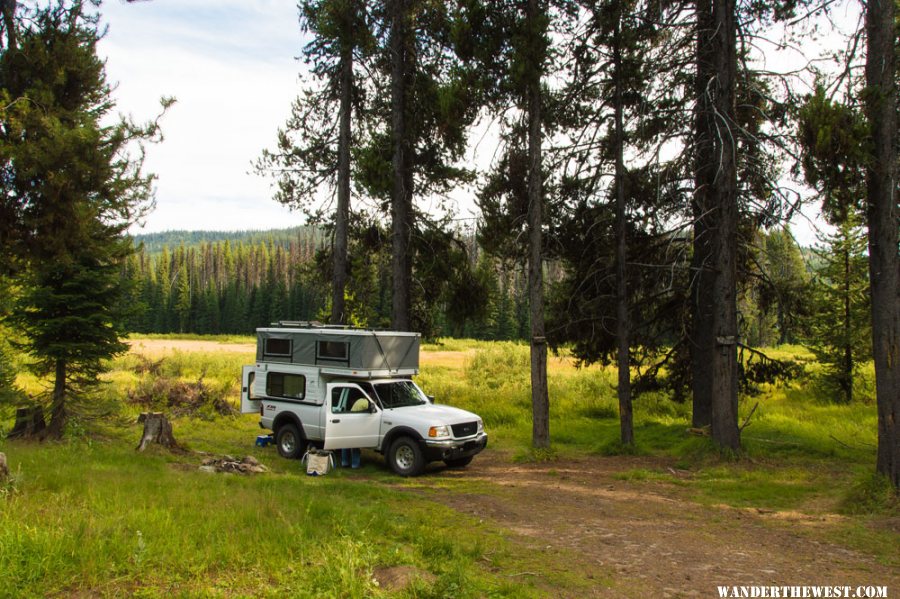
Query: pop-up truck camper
(337, 387)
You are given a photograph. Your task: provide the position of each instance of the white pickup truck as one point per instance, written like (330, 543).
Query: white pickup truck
(336, 388)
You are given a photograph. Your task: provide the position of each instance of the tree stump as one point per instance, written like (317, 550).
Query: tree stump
(29, 423)
(4, 468)
(157, 429)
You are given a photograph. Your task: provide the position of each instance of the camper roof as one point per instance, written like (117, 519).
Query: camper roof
(338, 347)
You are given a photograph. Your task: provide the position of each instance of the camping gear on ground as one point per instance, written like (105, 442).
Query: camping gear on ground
(318, 462)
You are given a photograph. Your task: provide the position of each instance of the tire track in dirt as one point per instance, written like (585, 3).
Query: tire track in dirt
(646, 539)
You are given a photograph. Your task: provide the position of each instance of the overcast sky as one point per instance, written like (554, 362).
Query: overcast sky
(231, 65)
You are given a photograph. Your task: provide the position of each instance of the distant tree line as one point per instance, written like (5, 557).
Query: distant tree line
(236, 286)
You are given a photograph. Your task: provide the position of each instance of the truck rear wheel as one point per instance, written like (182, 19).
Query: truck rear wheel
(405, 457)
(290, 442)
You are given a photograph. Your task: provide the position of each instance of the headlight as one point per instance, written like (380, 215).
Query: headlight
(439, 431)
(480, 425)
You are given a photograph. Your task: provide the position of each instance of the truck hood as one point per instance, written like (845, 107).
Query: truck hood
(436, 414)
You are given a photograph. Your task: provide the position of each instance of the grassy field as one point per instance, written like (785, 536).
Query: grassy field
(91, 517)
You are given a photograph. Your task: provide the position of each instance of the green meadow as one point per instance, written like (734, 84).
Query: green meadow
(89, 516)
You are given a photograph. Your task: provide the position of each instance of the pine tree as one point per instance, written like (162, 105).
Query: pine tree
(76, 189)
(307, 155)
(841, 336)
(883, 219)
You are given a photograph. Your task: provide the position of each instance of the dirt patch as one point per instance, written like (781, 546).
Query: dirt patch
(399, 578)
(646, 539)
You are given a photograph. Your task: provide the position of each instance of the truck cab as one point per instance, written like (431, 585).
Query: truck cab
(336, 387)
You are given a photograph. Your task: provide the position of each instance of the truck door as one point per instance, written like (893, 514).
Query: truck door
(248, 404)
(351, 418)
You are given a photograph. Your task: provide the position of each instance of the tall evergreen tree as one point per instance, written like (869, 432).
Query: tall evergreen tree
(714, 322)
(76, 189)
(882, 195)
(514, 50)
(840, 332)
(428, 100)
(307, 155)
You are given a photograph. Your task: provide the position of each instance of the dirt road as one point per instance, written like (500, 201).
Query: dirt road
(641, 539)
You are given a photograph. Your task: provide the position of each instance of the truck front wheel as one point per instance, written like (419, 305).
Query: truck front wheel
(405, 457)
(290, 443)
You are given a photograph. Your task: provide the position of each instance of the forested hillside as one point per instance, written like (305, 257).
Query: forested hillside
(211, 282)
(153, 243)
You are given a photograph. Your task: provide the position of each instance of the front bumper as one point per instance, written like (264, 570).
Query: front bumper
(452, 449)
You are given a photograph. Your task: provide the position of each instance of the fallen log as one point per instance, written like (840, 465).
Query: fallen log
(157, 429)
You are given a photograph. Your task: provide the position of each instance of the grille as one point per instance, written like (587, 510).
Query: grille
(465, 429)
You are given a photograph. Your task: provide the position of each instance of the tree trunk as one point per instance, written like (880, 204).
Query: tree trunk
(157, 429)
(540, 399)
(29, 423)
(58, 413)
(717, 36)
(847, 366)
(402, 57)
(342, 216)
(622, 322)
(4, 468)
(884, 263)
(8, 8)
(782, 328)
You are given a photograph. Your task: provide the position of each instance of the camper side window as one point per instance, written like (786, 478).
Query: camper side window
(291, 386)
(277, 347)
(332, 350)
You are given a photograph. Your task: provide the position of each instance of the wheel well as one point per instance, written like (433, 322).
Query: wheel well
(398, 432)
(287, 418)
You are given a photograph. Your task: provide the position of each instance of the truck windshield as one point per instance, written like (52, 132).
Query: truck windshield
(399, 394)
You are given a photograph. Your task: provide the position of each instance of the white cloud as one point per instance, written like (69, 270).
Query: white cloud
(231, 65)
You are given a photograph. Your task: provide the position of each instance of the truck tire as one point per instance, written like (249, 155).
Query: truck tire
(459, 462)
(405, 457)
(290, 442)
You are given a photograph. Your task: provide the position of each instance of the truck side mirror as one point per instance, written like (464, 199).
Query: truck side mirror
(430, 398)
